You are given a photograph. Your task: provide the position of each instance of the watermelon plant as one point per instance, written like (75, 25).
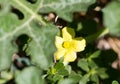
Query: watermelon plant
(59, 41)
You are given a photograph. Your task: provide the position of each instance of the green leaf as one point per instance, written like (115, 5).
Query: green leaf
(10, 26)
(65, 8)
(68, 68)
(57, 77)
(95, 54)
(115, 82)
(92, 64)
(95, 78)
(5, 76)
(83, 64)
(66, 81)
(60, 69)
(75, 76)
(59, 66)
(102, 73)
(6, 51)
(112, 17)
(30, 75)
(100, 33)
(13, 24)
(84, 79)
(63, 72)
(42, 47)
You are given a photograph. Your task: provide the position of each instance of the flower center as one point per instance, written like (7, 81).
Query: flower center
(67, 44)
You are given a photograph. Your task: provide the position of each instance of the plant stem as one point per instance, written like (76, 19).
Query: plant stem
(99, 34)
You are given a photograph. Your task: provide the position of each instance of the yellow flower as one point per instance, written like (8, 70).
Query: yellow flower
(68, 45)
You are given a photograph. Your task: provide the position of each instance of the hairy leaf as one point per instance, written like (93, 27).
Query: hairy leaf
(30, 75)
(112, 17)
(15, 19)
(65, 8)
(41, 48)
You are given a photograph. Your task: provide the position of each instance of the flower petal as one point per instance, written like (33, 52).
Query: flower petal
(68, 33)
(60, 53)
(79, 44)
(70, 56)
(58, 41)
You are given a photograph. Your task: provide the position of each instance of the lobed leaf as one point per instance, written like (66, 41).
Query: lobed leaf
(42, 47)
(15, 20)
(65, 8)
